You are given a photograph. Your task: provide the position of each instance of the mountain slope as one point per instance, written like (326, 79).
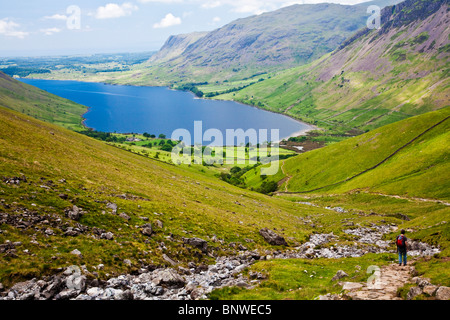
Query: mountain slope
(276, 40)
(46, 169)
(408, 158)
(39, 104)
(375, 78)
(176, 45)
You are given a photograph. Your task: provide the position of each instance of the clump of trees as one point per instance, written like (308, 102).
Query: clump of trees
(192, 87)
(104, 136)
(235, 175)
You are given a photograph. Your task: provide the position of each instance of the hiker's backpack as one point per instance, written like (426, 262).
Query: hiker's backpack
(401, 241)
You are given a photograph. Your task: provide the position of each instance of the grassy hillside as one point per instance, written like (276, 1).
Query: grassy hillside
(408, 158)
(377, 77)
(40, 104)
(46, 170)
(95, 174)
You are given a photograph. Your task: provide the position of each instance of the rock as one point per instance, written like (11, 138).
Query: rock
(272, 238)
(66, 294)
(413, 292)
(76, 252)
(159, 224)
(430, 289)
(55, 286)
(126, 295)
(443, 293)
(94, 292)
(112, 206)
(75, 213)
(423, 283)
(127, 262)
(63, 196)
(49, 232)
(107, 236)
(169, 278)
(147, 229)
(124, 216)
(339, 275)
(198, 243)
(75, 280)
(169, 260)
(351, 286)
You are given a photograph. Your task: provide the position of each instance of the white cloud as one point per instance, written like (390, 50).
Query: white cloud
(168, 21)
(113, 10)
(9, 28)
(56, 17)
(211, 4)
(217, 19)
(50, 31)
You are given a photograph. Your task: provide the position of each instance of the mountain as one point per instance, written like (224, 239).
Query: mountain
(276, 40)
(376, 77)
(176, 45)
(39, 104)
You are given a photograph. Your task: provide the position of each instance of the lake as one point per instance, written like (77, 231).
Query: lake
(156, 110)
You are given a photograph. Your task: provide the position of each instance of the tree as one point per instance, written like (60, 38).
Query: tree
(162, 136)
(167, 148)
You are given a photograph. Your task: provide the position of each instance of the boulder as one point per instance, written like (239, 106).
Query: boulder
(107, 236)
(124, 216)
(169, 278)
(339, 275)
(197, 242)
(430, 289)
(112, 206)
(127, 262)
(443, 293)
(147, 229)
(76, 252)
(272, 238)
(74, 213)
(159, 224)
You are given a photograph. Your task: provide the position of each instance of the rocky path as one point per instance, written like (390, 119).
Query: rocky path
(384, 284)
(287, 179)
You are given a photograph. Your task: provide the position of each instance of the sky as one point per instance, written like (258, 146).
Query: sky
(66, 27)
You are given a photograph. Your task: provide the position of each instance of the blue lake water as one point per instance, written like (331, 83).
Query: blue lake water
(156, 110)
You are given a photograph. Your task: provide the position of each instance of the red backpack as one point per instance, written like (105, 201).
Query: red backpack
(401, 241)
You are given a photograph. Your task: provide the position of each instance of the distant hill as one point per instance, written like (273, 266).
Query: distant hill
(276, 40)
(376, 77)
(39, 104)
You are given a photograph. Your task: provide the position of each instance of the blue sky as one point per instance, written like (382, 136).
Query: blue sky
(44, 27)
